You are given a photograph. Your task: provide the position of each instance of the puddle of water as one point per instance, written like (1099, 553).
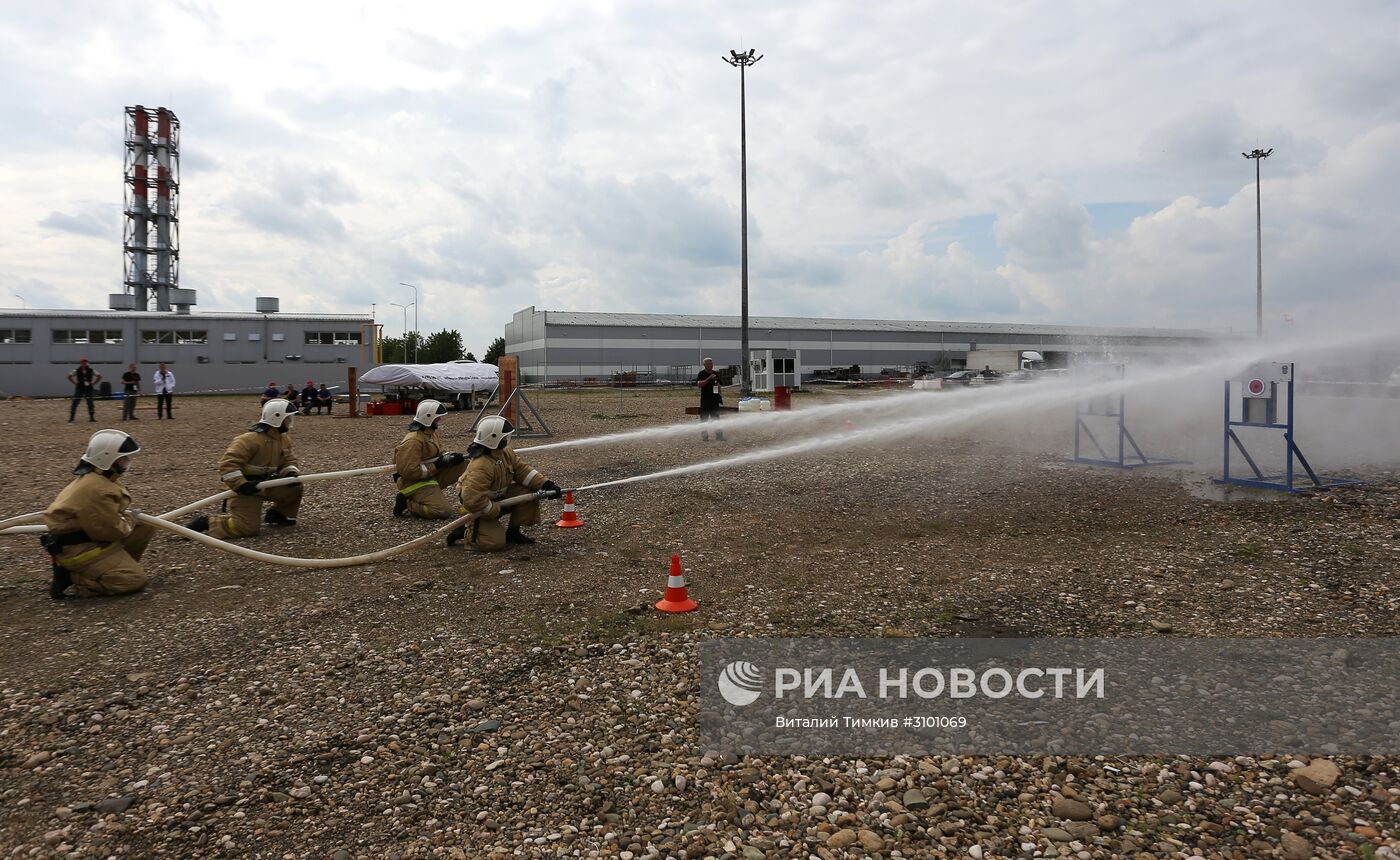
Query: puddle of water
(1205, 488)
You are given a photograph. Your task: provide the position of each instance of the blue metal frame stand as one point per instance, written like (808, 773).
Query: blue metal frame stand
(1288, 481)
(1125, 440)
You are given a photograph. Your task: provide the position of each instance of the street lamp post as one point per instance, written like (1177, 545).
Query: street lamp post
(415, 318)
(742, 62)
(405, 325)
(1258, 156)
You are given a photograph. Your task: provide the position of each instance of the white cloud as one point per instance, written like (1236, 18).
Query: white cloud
(586, 156)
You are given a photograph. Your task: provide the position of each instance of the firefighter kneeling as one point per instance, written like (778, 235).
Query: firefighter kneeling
(423, 469)
(493, 475)
(261, 454)
(94, 538)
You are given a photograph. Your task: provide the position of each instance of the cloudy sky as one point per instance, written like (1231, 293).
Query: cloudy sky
(1068, 162)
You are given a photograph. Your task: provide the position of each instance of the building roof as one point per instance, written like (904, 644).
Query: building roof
(208, 316)
(756, 322)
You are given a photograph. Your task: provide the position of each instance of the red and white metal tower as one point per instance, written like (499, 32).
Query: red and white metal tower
(151, 240)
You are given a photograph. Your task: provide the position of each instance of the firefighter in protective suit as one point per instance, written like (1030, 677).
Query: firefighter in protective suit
(95, 539)
(494, 473)
(423, 469)
(261, 454)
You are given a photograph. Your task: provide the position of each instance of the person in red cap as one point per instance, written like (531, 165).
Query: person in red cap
(84, 380)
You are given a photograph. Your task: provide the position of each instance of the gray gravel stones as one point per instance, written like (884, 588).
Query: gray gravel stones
(1070, 809)
(1317, 777)
(116, 805)
(341, 714)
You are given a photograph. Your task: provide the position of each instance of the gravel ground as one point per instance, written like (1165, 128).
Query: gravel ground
(446, 704)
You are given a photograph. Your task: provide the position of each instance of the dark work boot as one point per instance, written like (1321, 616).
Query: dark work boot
(456, 535)
(400, 504)
(515, 535)
(198, 524)
(61, 581)
(274, 517)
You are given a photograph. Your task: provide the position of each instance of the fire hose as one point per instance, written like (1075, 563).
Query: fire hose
(348, 561)
(22, 524)
(19, 524)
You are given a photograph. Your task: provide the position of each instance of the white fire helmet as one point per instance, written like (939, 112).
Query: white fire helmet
(429, 411)
(493, 431)
(107, 447)
(277, 413)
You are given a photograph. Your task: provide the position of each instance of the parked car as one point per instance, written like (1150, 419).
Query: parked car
(961, 377)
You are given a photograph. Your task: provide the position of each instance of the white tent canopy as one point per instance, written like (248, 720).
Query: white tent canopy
(456, 376)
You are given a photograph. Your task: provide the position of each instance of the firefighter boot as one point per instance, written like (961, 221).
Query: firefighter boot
(61, 581)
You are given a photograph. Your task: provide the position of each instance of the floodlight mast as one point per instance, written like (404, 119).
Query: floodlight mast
(1258, 156)
(742, 61)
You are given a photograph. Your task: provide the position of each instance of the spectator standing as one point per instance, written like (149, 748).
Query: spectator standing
(84, 380)
(131, 390)
(707, 381)
(164, 382)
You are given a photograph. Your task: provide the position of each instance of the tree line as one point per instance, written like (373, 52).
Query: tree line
(437, 348)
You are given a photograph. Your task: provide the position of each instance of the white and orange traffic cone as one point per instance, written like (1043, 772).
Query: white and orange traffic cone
(570, 518)
(677, 597)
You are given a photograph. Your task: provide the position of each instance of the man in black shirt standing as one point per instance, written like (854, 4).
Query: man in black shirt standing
(131, 389)
(84, 379)
(707, 381)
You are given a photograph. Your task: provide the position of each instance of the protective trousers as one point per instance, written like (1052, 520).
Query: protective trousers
(244, 512)
(426, 498)
(486, 534)
(79, 394)
(115, 569)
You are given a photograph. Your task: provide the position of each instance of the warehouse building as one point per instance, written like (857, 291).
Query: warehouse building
(566, 345)
(208, 352)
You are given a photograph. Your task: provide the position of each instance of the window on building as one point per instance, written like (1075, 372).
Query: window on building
(230, 335)
(14, 335)
(333, 338)
(175, 336)
(80, 336)
(278, 337)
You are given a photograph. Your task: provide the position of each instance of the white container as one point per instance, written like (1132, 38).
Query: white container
(755, 404)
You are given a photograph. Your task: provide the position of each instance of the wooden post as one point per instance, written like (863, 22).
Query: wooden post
(509, 375)
(354, 377)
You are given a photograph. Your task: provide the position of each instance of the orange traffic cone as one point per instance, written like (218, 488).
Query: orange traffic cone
(676, 598)
(570, 518)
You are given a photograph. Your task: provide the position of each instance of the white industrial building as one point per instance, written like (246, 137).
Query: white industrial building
(208, 352)
(568, 345)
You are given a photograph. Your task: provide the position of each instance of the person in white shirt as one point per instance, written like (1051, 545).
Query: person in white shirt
(164, 383)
